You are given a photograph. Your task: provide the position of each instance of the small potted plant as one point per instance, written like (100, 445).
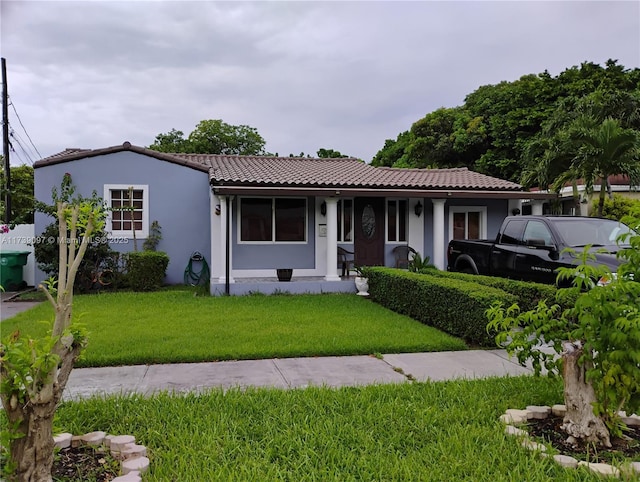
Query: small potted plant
(284, 274)
(362, 283)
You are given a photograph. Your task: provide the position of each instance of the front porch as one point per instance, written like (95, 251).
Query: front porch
(297, 285)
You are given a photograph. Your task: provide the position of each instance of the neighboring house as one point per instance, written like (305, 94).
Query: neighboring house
(250, 215)
(564, 203)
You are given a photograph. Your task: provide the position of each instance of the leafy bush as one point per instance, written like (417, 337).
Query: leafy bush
(146, 270)
(451, 305)
(617, 207)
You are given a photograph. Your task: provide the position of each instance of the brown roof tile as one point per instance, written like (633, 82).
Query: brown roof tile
(307, 172)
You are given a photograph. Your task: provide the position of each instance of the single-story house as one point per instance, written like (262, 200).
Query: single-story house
(564, 203)
(252, 215)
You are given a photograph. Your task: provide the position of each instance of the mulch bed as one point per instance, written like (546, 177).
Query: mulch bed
(84, 464)
(548, 430)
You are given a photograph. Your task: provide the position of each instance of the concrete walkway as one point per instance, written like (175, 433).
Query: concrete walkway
(283, 372)
(291, 372)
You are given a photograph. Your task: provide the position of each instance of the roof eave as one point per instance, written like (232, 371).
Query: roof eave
(337, 191)
(127, 146)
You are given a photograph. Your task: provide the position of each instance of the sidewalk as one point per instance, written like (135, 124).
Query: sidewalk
(285, 373)
(11, 308)
(291, 373)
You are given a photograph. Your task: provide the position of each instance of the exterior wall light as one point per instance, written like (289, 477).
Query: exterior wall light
(418, 209)
(323, 208)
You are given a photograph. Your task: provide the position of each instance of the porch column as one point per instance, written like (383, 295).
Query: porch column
(225, 220)
(214, 250)
(438, 234)
(536, 207)
(332, 240)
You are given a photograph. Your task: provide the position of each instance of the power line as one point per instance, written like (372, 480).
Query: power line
(21, 142)
(23, 128)
(26, 153)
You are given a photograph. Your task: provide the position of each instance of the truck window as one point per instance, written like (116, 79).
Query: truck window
(512, 233)
(537, 234)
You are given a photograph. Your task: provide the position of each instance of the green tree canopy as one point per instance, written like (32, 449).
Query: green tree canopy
(22, 196)
(504, 130)
(212, 137)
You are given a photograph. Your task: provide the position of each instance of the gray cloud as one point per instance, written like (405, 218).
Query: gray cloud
(306, 75)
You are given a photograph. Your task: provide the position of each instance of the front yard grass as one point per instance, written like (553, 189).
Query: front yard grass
(413, 431)
(174, 325)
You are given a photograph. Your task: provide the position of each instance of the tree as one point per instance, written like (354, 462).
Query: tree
(604, 149)
(22, 196)
(172, 141)
(596, 344)
(212, 137)
(35, 372)
(330, 154)
(492, 131)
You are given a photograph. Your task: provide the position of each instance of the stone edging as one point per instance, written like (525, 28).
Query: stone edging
(513, 417)
(133, 458)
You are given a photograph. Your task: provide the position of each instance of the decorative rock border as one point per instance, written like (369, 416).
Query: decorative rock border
(513, 417)
(133, 458)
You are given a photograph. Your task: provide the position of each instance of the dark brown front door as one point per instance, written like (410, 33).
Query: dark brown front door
(369, 232)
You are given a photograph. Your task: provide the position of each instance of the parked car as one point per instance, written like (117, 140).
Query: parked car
(532, 248)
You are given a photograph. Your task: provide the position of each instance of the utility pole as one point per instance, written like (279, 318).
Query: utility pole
(5, 144)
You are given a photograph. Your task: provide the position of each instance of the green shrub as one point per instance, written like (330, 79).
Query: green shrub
(528, 293)
(452, 305)
(146, 270)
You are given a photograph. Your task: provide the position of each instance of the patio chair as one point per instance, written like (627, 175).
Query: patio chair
(346, 260)
(401, 254)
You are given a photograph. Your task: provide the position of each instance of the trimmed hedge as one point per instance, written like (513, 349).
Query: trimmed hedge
(146, 270)
(454, 306)
(528, 293)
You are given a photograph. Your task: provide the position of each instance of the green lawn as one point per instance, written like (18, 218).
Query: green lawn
(176, 326)
(410, 432)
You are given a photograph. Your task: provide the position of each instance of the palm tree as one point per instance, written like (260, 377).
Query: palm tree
(603, 149)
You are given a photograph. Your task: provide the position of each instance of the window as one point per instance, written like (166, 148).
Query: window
(128, 210)
(345, 220)
(273, 220)
(537, 234)
(397, 221)
(467, 222)
(513, 232)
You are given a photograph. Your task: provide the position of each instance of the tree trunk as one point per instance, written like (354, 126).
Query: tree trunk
(579, 396)
(32, 455)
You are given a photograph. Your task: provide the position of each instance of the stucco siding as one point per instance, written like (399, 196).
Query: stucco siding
(178, 200)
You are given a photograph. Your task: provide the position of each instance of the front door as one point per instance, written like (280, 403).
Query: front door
(369, 232)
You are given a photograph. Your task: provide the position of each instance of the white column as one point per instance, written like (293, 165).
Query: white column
(222, 243)
(536, 207)
(214, 237)
(513, 205)
(332, 240)
(438, 234)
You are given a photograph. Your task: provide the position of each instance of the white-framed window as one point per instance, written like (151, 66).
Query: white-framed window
(345, 221)
(467, 222)
(272, 220)
(128, 206)
(397, 220)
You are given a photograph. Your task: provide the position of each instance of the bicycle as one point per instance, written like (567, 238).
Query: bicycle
(96, 276)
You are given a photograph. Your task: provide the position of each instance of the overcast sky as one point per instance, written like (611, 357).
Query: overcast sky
(306, 75)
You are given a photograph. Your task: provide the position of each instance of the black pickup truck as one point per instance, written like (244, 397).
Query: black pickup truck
(531, 248)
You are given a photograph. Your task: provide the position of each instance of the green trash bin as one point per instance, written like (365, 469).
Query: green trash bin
(11, 264)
